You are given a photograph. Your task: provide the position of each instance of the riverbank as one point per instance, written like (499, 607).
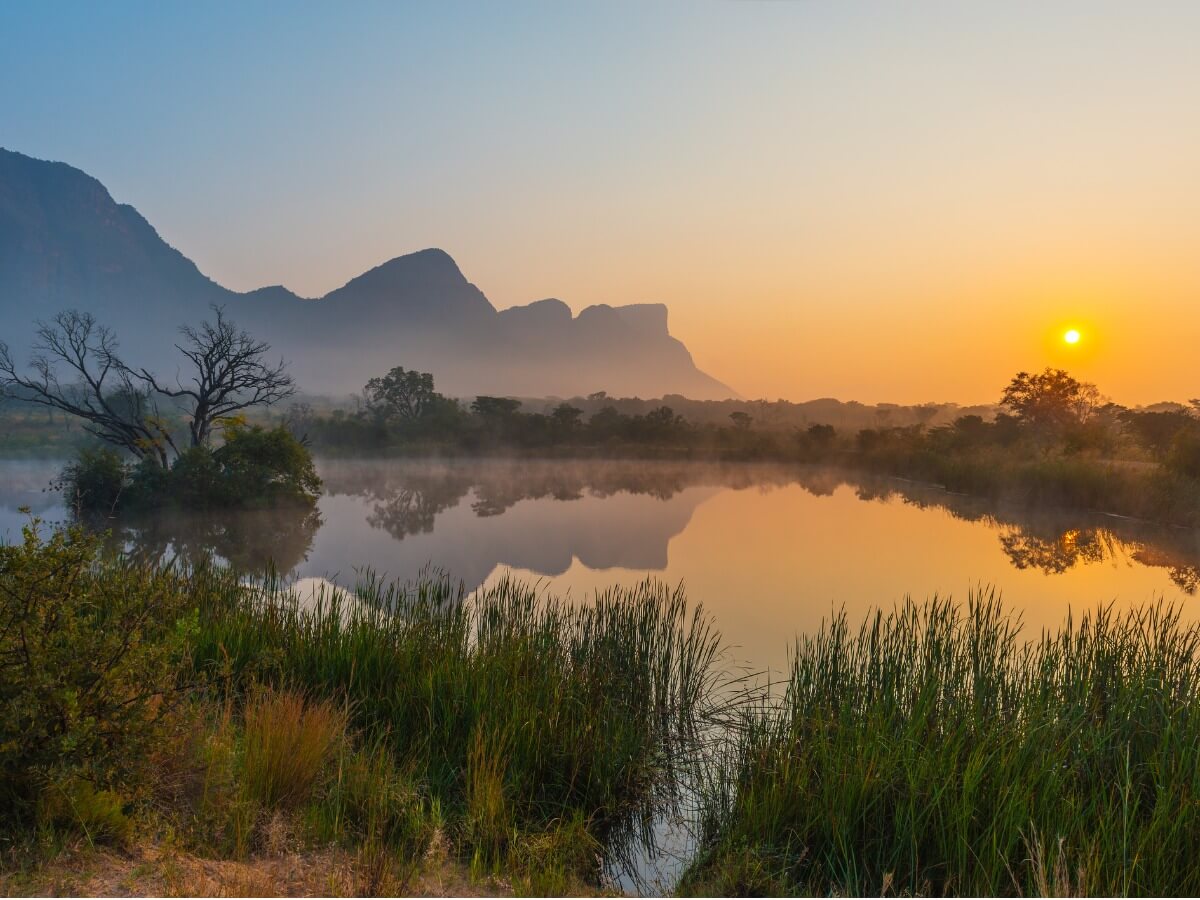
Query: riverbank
(532, 741)
(185, 731)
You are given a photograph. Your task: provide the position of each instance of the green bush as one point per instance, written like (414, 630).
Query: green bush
(90, 649)
(263, 467)
(96, 480)
(254, 468)
(75, 805)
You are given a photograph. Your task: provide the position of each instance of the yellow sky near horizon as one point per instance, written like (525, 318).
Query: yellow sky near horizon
(882, 202)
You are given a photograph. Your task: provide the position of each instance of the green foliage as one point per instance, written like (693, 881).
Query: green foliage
(401, 394)
(371, 801)
(255, 467)
(514, 711)
(74, 805)
(95, 480)
(935, 751)
(90, 648)
(265, 467)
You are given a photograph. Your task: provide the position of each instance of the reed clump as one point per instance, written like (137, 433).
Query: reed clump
(516, 714)
(286, 742)
(936, 751)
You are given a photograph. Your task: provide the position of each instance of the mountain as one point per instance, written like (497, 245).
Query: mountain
(65, 243)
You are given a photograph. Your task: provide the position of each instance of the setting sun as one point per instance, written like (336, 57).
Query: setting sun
(1071, 337)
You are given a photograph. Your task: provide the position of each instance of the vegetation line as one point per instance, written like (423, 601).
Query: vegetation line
(932, 750)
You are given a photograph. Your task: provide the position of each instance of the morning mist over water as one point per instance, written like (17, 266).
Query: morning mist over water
(770, 551)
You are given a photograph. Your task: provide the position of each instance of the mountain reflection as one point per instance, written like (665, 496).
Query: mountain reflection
(471, 516)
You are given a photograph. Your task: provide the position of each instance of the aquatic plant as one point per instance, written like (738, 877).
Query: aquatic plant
(936, 751)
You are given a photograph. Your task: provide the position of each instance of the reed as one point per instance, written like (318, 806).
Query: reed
(515, 711)
(936, 751)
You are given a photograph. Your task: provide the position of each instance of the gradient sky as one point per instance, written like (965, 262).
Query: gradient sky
(900, 202)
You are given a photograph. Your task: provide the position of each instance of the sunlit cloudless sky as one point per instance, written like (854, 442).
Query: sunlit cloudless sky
(900, 202)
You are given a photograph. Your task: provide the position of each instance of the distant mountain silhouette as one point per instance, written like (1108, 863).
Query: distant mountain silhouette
(65, 243)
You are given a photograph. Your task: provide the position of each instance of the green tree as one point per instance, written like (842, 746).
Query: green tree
(401, 394)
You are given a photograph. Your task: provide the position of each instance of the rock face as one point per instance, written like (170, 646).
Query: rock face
(65, 243)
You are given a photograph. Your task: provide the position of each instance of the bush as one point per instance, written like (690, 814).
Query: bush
(254, 468)
(75, 805)
(264, 467)
(90, 648)
(1184, 456)
(95, 481)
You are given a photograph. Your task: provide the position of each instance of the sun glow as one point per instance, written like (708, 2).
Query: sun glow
(1071, 336)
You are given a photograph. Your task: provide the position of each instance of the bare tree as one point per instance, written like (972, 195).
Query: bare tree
(115, 403)
(230, 375)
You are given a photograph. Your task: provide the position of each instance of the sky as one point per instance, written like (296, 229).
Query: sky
(882, 202)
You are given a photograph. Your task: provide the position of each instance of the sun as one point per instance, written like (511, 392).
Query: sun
(1071, 336)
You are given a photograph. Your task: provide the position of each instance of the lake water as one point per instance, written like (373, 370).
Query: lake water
(769, 550)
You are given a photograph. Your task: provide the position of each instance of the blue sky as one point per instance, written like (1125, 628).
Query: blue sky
(798, 181)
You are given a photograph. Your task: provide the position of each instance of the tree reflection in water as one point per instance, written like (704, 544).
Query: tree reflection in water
(250, 541)
(406, 497)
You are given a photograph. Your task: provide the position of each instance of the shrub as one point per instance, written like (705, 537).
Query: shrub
(262, 467)
(75, 805)
(90, 649)
(255, 468)
(1184, 456)
(95, 480)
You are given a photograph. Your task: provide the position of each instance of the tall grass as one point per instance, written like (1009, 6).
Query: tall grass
(287, 741)
(936, 751)
(516, 711)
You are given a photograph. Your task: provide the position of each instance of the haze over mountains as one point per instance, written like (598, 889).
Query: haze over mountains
(65, 243)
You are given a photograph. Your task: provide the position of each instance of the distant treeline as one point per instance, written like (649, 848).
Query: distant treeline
(1050, 439)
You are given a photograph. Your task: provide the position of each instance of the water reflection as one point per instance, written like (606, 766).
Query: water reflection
(473, 516)
(251, 541)
(406, 499)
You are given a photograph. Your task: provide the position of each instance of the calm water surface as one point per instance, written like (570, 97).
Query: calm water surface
(770, 551)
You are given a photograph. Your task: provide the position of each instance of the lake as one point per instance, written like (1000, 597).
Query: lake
(769, 550)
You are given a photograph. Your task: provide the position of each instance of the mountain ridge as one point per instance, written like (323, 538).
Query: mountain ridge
(66, 242)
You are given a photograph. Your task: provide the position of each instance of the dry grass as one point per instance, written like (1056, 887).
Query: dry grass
(287, 741)
(150, 871)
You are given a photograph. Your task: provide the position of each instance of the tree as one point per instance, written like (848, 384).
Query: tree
(925, 413)
(115, 403)
(1052, 401)
(566, 417)
(230, 375)
(495, 408)
(821, 436)
(400, 394)
(1157, 430)
(741, 420)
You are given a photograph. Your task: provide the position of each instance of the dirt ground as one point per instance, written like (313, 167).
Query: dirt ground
(155, 871)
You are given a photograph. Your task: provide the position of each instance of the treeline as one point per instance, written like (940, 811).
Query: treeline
(1040, 415)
